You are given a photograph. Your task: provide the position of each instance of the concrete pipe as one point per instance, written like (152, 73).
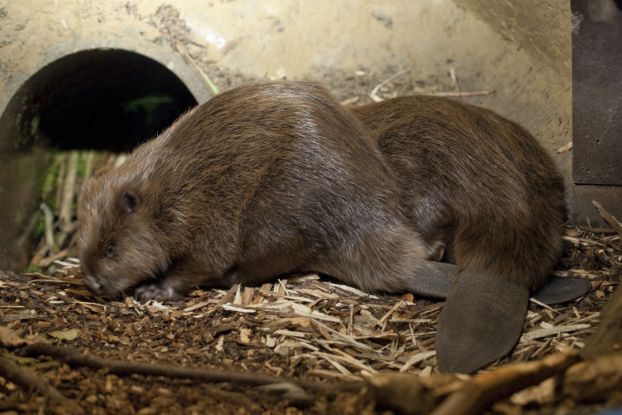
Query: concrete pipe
(71, 71)
(91, 98)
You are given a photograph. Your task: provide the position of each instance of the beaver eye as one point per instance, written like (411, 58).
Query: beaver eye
(110, 251)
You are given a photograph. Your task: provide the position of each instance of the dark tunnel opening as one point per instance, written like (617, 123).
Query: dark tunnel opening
(107, 100)
(103, 99)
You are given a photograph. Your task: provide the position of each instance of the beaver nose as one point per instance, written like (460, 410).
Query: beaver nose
(92, 284)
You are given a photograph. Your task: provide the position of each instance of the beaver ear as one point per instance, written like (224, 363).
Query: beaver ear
(129, 201)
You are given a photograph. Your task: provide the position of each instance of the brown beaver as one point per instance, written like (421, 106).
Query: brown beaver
(262, 180)
(485, 188)
(276, 177)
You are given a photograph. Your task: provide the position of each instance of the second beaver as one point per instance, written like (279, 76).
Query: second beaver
(483, 186)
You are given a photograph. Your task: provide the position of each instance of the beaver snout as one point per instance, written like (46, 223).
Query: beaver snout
(92, 285)
(105, 287)
(99, 287)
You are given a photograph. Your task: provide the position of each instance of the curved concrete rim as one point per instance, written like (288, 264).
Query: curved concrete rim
(15, 217)
(163, 55)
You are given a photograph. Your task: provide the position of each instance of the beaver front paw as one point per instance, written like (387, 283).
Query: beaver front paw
(160, 291)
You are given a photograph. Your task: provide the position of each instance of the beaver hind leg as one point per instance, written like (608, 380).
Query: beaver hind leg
(436, 280)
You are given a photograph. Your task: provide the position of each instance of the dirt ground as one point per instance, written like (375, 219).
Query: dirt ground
(301, 328)
(327, 336)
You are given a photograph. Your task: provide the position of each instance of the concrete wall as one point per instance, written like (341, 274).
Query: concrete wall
(542, 27)
(519, 50)
(537, 35)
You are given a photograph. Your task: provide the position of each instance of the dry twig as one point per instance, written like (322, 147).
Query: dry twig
(608, 335)
(49, 228)
(29, 380)
(608, 217)
(460, 93)
(477, 394)
(66, 208)
(123, 368)
(374, 92)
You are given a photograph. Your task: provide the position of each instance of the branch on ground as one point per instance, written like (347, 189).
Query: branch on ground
(31, 381)
(294, 389)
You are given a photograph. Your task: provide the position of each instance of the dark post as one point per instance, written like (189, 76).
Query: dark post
(597, 107)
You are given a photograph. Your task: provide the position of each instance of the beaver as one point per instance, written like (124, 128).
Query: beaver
(274, 178)
(484, 187)
(263, 180)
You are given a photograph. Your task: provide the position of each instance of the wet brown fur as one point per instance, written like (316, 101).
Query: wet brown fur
(262, 180)
(275, 177)
(475, 180)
